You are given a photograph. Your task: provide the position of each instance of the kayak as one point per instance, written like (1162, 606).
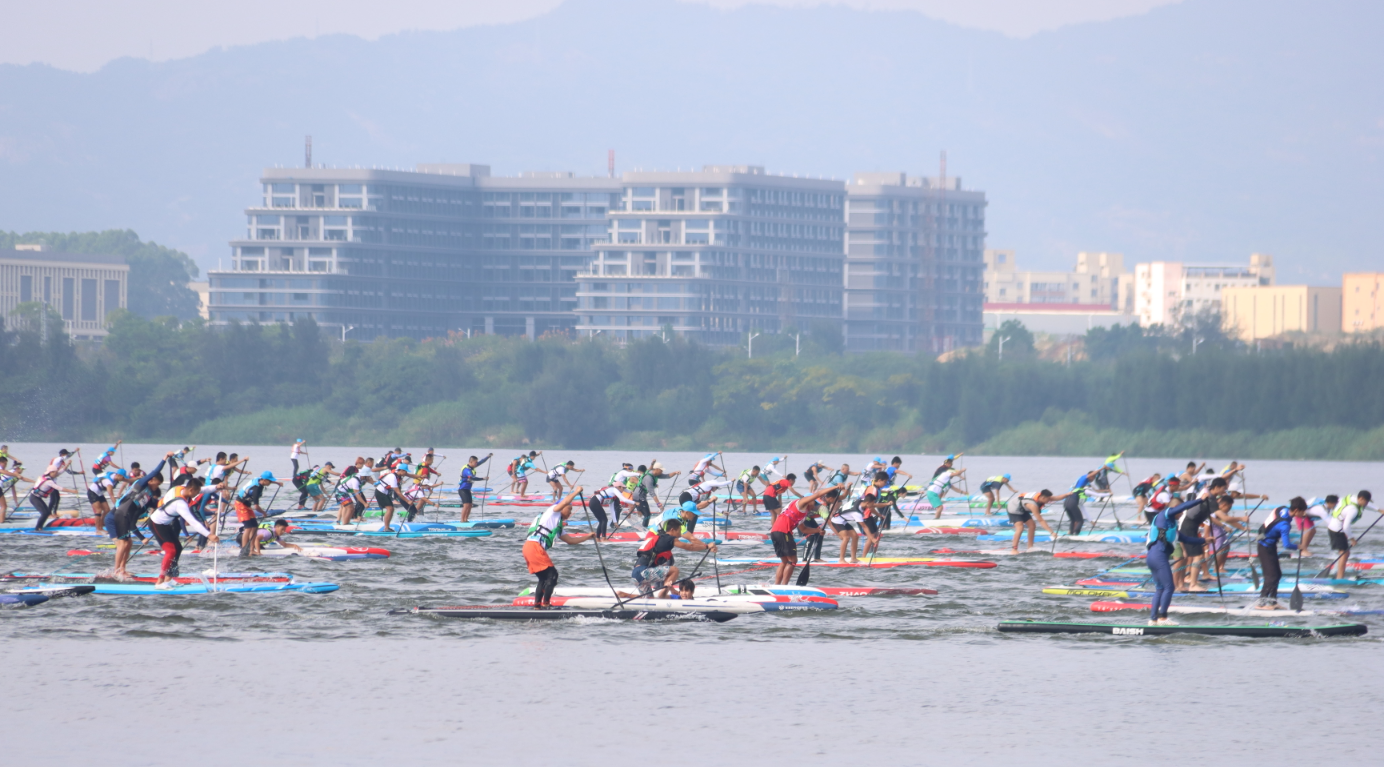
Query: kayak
(1111, 607)
(741, 605)
(1071, 591)
(531, 614)
(205, 587)
(1118, 629)
(878, 562)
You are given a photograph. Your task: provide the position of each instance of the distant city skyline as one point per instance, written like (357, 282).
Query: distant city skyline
(85, 35)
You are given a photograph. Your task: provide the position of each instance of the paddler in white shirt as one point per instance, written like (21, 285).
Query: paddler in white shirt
(546, 529)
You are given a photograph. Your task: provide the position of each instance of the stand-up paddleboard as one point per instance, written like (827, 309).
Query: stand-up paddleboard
(1114, 607)
(876, 591)
(37, 596)
(148, 577)
(1101, 536)
(323, 553)
(313, 526)
(1118, 629)
(899, 529)
(879, 562)
(1073, 591)
(208, 586)
(735, 604)
(1234, 585)
(530, 614)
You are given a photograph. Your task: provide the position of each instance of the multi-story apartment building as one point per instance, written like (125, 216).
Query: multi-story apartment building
(81, 287)
(715, 254)
(913, 263)
(1166, 292)
(397, 253)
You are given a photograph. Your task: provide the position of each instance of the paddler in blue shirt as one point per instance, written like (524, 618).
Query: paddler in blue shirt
(1164, 535)
(469, 475)
(1275, 530)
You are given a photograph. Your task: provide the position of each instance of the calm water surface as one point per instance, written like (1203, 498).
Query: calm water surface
(898, 680)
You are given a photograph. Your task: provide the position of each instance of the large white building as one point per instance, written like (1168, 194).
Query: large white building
(82, 287)
(1166, 292)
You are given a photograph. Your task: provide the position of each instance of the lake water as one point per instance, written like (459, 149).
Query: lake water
(894, 680)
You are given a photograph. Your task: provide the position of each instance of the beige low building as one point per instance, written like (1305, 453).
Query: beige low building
(1252, 313)
(1362, 302)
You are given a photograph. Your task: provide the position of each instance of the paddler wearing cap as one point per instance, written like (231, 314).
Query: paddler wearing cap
(1163, 496)
(164, 521)
(248, 512)
(946, 464)
(989, 487)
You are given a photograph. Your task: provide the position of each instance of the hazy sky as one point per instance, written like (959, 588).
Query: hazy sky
(83, 35)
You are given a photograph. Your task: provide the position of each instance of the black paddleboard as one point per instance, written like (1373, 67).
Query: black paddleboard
(1129, 629)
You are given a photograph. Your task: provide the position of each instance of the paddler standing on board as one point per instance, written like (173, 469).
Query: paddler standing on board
(795, 518)
(545, 530)
(1276, 530)
(1346, 513)
(1026, 513)
(469, 475)
(941, 483)
(993, 485)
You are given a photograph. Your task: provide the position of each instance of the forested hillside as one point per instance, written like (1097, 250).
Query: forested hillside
(166, 380)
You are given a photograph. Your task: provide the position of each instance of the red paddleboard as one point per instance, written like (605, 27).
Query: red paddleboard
(870, 591)
(1114, 607)
(72, 522)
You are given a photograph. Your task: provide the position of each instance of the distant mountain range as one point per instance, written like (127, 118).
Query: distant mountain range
(1201, 131)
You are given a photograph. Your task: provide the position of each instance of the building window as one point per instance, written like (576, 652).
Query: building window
(26, 289)
(69, 297)
(112, 296)
(88, 300)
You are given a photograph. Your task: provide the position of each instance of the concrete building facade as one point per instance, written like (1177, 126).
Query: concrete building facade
(1165, 292)
(1094, 282)
(715, 254)
(913, 264)
(421, 253)
(1362, 302)
(1256, 312)
(83, 288)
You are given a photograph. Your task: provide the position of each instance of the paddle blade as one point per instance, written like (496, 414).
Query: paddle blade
(1295, 602)
(805, 574)
(1254, 574)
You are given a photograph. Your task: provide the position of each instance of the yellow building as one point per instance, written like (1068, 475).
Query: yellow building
(1265, 311)
(1362, 302)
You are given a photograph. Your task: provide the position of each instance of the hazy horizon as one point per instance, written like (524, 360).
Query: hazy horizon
(1201, 131)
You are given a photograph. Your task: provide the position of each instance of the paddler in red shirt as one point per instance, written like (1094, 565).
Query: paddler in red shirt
(790, 520)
